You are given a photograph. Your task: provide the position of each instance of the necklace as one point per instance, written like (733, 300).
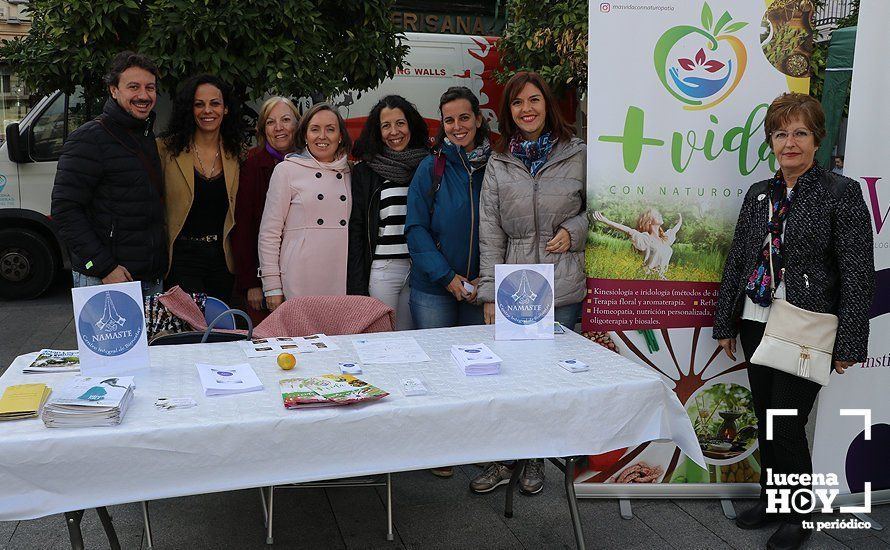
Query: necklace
(206, 174)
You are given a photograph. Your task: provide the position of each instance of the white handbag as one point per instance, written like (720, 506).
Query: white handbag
(796, 341)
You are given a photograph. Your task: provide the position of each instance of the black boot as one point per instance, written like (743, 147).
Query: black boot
(756, 517)
(790, 536)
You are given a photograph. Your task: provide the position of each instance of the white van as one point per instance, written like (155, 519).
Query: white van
(30, 251)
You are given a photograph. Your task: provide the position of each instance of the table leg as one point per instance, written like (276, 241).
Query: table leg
(145, 519)
(269, 539)
(728, 508)
(105, 518)
(72, 520)
(511, 488)
(573, 502)
(263, 501)
(389, 535)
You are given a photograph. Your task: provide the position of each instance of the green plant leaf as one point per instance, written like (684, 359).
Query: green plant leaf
(707, 18)
(736, 27)
(724, 19)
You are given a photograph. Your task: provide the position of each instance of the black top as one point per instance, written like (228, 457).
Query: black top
(108, 209)
(364, 226)
(829, 257)
(208, 212)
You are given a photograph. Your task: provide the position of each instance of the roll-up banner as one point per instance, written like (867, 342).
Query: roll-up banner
(853, 416)
(677, 95)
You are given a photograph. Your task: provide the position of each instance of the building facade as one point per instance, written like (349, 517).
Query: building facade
(484, 17)
(14, 23)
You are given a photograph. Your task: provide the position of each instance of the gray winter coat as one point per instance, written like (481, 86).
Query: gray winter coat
(519, 213)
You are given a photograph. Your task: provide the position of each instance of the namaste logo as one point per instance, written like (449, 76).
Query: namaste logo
(111, 320)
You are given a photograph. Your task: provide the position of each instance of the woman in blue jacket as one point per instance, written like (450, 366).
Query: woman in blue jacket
(442, 224)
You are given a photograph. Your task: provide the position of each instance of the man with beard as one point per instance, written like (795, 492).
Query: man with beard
(108, 192)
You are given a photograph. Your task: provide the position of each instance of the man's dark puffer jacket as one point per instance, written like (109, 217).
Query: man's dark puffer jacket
(109, 208)
(829, 257)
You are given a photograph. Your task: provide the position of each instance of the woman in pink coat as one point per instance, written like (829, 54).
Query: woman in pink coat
(304, 240)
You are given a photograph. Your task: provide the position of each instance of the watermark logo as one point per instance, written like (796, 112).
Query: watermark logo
(525, 297)
(806, 493)
(701, 66)
(605, 7)
(110, 323)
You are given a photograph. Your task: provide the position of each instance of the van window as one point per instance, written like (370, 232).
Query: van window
(50, 130)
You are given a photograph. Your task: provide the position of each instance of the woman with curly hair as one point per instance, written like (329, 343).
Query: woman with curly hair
(390, 147)
(199, 152)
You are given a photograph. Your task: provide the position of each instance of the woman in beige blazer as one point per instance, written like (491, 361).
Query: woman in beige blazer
(199, 153)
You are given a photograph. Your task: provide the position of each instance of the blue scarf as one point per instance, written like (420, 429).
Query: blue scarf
(532, 153)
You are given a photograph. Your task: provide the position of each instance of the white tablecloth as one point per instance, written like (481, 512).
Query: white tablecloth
(532, 409)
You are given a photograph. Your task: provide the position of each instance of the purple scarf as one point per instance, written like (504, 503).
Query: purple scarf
(274, 152)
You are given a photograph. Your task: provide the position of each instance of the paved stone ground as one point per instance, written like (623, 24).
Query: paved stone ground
(429, 512)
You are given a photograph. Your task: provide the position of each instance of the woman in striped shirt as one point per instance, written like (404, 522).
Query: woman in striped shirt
(391, 145)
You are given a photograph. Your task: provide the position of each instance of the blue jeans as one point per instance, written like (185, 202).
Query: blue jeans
(441, 311)
(80, 280)
(568, 315)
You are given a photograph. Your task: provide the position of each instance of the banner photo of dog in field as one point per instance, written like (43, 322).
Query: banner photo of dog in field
(677, 97)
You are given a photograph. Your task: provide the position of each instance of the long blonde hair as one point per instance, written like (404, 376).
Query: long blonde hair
(648, 218)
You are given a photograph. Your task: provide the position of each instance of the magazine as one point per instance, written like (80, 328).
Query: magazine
(88, 401)
(23, 401)
(345, 389)
(327, 390)
(297, 394)
(54, 360)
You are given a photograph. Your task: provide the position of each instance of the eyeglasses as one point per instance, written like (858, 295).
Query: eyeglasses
(782, 136)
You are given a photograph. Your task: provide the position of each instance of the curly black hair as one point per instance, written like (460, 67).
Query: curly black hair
(370, 143)
(181, 129)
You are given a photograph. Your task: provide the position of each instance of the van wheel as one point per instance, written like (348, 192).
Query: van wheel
(27, 264)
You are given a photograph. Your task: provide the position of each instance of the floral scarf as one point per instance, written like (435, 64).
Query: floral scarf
(759, 287)
(532, 153)
(478, 157)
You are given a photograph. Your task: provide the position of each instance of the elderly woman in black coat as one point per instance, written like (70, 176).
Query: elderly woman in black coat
(820, 240)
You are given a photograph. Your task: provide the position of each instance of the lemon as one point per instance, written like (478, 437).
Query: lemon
(287, 361)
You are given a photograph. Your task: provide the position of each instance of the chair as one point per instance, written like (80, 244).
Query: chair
(199, 337)
(213, 307)
(331, 315)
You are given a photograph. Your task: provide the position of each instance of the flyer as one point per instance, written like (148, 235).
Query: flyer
(110, 324)
(524, 302)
